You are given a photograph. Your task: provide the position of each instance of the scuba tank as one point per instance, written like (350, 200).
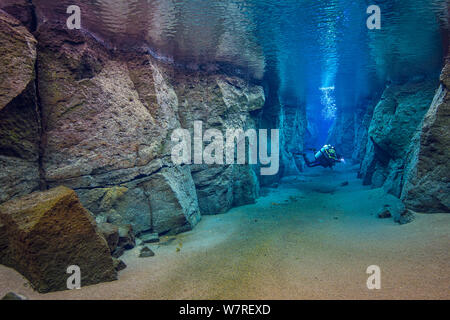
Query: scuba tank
(321, 152)
(328, 151)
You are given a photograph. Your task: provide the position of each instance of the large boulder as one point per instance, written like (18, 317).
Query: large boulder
(19, 113)
(427, 186)
(165, 201)
(49, 231)
(220, 188)
(123, 204)
(173, 200)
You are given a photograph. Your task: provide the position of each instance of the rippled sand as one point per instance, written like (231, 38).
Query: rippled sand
(309, 239)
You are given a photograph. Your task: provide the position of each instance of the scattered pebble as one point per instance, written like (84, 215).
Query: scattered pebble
(119, 265)
(384, 214)
(14, 296)
(406, 217)
(146, 252)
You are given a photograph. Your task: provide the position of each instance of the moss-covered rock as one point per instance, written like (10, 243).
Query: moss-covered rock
(49, 231)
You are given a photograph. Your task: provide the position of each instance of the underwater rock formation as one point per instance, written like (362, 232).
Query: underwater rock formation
(19, 114)
(395, 121)
(294, 126)
(18, 50)
(427, 177)
(221, 102)
(107, 117)
(22, 10)
(111, 234)
(350, 128)
(49, 231)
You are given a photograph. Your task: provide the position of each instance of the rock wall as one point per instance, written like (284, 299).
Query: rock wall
(19, 113)
(221, 102)
(427, 175)
(396, 119)
(99, 121)
(293, 129)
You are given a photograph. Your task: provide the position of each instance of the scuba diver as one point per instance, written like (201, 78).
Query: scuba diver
(326, 157)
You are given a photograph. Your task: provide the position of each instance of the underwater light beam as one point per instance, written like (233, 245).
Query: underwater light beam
(329, 103)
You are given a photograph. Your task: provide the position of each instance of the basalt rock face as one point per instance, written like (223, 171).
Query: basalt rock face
(100, 121)
(19, 113)
(46, 232)
(18, 51)
(22, 10)
(396, 119)
(106, 137)
(363, 118)
(427, 177)
(108, 122)
(294, 126)
(220, 102)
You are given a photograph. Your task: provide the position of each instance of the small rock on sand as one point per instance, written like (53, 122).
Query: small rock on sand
(14, 296)
(119, 265)
(384, 214)
(146, 252)
(406, 217)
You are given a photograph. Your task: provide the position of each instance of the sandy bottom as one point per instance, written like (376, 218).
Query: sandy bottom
(309, 239)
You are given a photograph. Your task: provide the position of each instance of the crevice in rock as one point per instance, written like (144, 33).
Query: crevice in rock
(381, 155)
(41, 129)
(34, 23)
(137, 178)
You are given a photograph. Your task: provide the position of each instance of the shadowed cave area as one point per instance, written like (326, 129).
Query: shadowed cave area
(87, 173)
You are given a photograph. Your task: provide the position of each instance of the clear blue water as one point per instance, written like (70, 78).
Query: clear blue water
(311, 44)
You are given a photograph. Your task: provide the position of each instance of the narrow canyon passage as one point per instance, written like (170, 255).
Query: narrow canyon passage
(311, 238)
(224, 149)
